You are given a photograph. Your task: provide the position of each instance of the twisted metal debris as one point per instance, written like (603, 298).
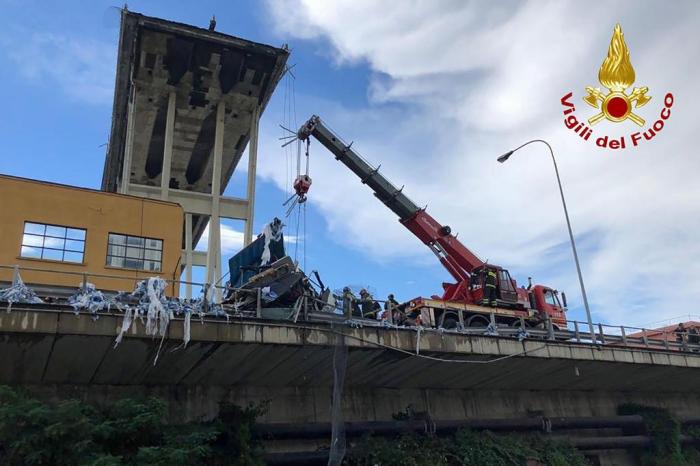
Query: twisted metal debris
(19, 293)
(90, 299)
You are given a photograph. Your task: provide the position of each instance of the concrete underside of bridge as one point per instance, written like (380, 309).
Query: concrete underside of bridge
(58, 354)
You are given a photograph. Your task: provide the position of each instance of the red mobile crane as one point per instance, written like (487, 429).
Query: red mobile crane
(461, 302)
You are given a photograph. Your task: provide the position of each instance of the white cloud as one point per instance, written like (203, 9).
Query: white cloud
(81, 67)
(231, 240)
(475, 79)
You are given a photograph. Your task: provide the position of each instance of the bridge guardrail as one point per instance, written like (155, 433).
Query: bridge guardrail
(606, 334)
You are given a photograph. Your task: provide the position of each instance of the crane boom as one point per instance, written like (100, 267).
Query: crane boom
(383, 189)
(454, 256)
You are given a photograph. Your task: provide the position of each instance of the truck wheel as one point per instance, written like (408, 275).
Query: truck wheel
(449, 323)
(477, 321)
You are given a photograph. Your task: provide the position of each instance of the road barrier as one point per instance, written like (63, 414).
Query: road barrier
(309, 308)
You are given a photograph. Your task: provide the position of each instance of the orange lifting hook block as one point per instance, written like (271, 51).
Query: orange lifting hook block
(301, 186)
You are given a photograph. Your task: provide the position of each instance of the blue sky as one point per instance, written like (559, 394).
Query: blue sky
(57, 135)
(434, 95)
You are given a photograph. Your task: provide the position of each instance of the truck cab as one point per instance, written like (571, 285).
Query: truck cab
(548, 304)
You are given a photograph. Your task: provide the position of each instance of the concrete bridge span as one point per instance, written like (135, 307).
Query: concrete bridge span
(451, 376)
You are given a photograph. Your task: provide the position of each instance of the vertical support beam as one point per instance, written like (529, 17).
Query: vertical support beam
(219, 274)
(188, 255)
(168, 147)
(214, 244)
(252, 169)
(126, 163)
(15, 275)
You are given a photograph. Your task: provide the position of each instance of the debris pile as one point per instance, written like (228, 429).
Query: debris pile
(265, 282)
(90, 299)
(19, 293)
(150, 301)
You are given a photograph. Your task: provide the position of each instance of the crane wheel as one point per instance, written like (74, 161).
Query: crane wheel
(477, 321)
(449, 323)
(445, 230)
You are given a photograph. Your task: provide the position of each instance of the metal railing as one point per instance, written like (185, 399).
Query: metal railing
(605, 334)
(314, 309)
(86, 276)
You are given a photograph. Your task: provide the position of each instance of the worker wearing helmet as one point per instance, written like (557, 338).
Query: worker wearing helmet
(490, 288)
(391, 303)
(392, 312)
(350, 306)
(369, 305)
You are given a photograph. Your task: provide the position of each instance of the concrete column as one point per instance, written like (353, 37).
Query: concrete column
(252, 168)
(214, 247)
(188, 255)
(168, 146)
(15, 275)
(126, 163)
(218, 262)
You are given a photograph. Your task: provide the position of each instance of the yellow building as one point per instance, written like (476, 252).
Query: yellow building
(115, 239)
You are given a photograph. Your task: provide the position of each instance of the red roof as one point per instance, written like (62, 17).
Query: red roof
(668, 330)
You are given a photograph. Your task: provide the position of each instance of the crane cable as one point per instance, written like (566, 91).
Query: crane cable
(301, 208)
(293, 195)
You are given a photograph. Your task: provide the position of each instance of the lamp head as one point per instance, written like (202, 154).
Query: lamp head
(505, 156)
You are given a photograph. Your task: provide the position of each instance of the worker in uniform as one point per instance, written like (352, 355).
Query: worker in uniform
(490, 288)
(391, 303)
(680, 333)
(350, 307)
(369, 306)
(474, 282)
(391, 306)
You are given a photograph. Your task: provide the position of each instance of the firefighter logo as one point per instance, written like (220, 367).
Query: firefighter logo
(616, 74)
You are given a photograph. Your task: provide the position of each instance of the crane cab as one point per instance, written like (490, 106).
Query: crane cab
(506, 291)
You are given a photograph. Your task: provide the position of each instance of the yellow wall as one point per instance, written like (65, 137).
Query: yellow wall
(97, 212)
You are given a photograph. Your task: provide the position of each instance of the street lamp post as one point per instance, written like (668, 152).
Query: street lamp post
(505, 157)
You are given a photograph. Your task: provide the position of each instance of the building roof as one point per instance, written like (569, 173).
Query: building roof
(667, 330)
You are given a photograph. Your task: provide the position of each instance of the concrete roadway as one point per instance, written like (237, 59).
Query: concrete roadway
(57, 353)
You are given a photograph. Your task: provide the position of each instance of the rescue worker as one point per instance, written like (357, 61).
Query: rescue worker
(391, 303)
(490, 288)
(398, 317)
(680, 333)
(390, 307)
(393, 314)
(350, 306)
(474, 282)
(413, 318)
(369, 305)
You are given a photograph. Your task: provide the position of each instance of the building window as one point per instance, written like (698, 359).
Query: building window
(53, 242)
(134, 252)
